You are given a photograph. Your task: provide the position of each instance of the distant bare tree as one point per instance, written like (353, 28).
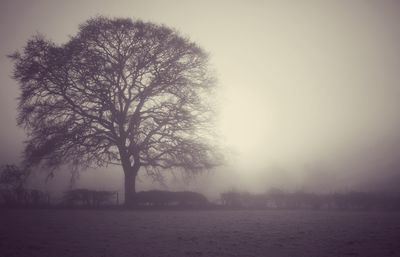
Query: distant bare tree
(13, 188)
(119, 91)
(13, 177)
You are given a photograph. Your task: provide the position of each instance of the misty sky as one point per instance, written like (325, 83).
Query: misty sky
(305, 87)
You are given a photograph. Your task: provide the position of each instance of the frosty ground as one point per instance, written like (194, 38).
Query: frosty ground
(198, 233)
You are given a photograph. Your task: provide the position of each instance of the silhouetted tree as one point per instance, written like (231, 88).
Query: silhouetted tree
(13, 177)
(12, 188)
(119, 91)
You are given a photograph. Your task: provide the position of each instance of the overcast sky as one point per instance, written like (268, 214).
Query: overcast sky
(303, 85)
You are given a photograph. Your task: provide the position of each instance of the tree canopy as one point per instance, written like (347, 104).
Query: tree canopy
(120, 91)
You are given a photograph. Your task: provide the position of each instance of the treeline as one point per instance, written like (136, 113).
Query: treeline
(72, 198)
(24, 198)
(13, 193)
(159, 198)
(273, 199)
(279, 199)
(144, 199)
(85, 198)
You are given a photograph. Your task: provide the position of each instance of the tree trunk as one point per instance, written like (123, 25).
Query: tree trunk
(130, 188)
(130, 172)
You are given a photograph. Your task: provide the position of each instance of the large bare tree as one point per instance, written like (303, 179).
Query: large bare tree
(120, 91)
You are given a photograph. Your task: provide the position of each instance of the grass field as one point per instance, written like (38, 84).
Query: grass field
(198, 233)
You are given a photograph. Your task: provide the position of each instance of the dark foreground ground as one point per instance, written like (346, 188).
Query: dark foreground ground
(198, 233)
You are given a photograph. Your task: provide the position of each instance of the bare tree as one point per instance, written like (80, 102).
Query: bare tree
(13, 177)
(12, 183)
(119, 91)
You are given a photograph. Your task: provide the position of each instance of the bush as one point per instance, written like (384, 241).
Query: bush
(89, 198)
(168, 198)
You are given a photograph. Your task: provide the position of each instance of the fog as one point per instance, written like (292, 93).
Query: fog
(307, 90)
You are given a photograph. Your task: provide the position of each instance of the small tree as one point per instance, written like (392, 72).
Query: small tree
(119, 91)
(12, 177)
(12, 181)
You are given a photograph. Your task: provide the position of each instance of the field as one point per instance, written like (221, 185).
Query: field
(198, 233)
